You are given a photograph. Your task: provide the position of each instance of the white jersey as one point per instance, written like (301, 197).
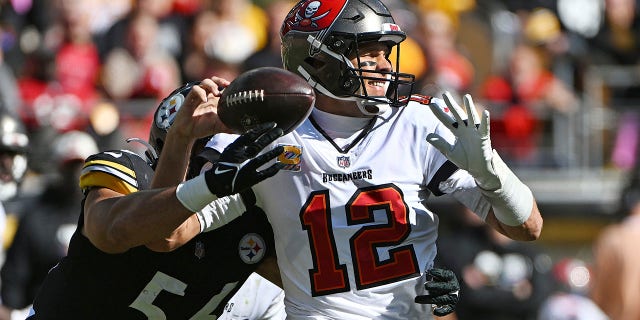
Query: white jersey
(258, 298)
(353, 236)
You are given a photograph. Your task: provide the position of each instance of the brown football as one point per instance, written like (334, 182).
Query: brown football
(263, 95)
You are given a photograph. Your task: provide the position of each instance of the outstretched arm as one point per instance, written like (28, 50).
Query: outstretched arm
(196, 118)
(514, 211)
(163, 218)
(115, 222)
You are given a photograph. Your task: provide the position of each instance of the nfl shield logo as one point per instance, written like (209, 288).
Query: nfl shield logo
(344, 162)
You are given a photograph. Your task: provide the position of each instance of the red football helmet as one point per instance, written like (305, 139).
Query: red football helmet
(318, 36)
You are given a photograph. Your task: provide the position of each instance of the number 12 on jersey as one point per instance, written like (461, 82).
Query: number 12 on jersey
(328, 275)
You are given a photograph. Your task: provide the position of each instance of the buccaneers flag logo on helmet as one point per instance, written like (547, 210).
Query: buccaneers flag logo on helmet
(312, 15)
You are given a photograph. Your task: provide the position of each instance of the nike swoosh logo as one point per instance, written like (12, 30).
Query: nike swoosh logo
(114, 154)
(218, 171)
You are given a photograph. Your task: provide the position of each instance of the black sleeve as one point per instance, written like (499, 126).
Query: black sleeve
(15, 274)
(198, 161)
(445, 171)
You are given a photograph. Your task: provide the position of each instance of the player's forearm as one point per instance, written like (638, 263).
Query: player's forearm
(116, 223)
(171, 170)
(527, 231)
(173, 162)
(178, 237)
(512, 202)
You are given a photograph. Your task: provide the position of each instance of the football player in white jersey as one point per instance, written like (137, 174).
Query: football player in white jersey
(354, 238)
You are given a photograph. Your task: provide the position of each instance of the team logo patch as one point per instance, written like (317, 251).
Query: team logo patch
(312, 15)
(252, 248)
(344, 162)
(291, 157)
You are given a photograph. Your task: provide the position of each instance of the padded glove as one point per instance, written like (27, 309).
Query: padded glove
(236, 169)
(511, 200)
(443, 291)
(472, 149)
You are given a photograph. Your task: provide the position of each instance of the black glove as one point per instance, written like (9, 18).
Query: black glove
(443, 288)
(233, 173)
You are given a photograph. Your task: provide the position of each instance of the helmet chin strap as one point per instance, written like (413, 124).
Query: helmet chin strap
(366, 106)
(372, 108)
(377, 106)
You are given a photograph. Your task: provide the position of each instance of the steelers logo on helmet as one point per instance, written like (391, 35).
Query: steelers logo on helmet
(252, 248)
(163, 118)
(168, 109)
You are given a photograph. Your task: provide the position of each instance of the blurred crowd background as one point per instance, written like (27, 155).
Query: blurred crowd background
(560, 77)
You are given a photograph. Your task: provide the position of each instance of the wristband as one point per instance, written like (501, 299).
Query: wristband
(194, 194)
(512, 202)
(220, 212)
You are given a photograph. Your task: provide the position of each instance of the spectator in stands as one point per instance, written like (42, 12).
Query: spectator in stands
(59, 83)
(569, 300)
(105, 13)
(141, 68)
(77, 64)
(200, 60)
(9, 94)
(47, 223)
(618, 40)
(26, 26)
(499, 277)
(238, 22)
(452, 69)
(525, 97)
(269, 55)
(172, 34)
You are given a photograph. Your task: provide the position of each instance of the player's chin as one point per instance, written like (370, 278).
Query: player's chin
(376, 89)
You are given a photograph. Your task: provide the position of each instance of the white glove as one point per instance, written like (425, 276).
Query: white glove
(472, 148)
(511, 199)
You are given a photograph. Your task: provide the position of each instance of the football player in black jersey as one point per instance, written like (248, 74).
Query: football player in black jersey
(138, 252)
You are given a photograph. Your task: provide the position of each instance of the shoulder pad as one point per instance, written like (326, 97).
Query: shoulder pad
(119, 170)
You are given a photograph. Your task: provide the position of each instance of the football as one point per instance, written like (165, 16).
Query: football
(263, 95)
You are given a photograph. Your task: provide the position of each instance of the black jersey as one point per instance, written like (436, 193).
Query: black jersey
(191, 282)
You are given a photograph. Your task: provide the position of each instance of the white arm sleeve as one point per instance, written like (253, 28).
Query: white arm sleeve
(511, 203)
(462, 187)
(220, 212)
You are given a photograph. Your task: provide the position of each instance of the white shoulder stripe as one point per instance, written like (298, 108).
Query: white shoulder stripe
(112, 171)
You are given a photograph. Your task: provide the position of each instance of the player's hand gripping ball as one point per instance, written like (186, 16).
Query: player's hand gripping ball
(266, 94)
